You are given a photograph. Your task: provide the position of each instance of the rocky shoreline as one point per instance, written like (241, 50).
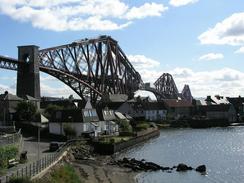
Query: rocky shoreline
(94, 168)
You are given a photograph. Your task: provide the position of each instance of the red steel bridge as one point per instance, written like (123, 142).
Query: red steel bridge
(91, 67)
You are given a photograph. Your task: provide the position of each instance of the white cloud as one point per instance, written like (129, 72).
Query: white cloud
(211, 56)
(225, 81)
(228, 32)
(178, 3)
(61, 15)
(240, 50)
(142, 62)
(146, 10)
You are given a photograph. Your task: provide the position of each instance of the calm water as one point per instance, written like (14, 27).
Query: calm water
(220, 149)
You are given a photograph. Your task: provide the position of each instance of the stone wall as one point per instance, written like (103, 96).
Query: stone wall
(113, 148)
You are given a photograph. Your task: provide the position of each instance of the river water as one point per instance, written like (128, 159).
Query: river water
(220, 149)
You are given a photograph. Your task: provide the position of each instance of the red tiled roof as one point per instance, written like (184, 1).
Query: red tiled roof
(177, 103)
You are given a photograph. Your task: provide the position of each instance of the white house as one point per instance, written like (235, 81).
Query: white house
(155, 111)
(82, 121)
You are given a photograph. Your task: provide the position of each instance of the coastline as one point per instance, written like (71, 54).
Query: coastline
(96, 171)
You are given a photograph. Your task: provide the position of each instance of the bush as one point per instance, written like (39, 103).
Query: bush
(69, 131)
(6, 153)
(51, 109)
(125, 126)
(26, 111)
(142, 126)
(20, 180)
(64, 174)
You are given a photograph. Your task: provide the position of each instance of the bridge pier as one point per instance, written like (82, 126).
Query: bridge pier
(28, 74)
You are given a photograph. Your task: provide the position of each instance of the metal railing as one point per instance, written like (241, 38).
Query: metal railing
(11, 138)
(34, 168)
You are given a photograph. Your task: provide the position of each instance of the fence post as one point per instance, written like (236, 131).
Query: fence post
(30, 169)
(26, 171)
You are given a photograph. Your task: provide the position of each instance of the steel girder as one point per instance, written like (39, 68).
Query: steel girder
(92, 67)
(8, 63)
(186, 93)
(166, 87)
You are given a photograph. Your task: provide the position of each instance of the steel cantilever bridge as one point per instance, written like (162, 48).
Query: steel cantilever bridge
(91, 67)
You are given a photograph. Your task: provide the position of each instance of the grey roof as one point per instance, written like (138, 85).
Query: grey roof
(118, 97)
(10, 97)
(31, 98)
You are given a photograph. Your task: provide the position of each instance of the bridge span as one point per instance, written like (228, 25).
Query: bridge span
(91, 67)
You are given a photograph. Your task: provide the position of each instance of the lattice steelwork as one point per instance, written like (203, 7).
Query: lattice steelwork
(8, 63)
(165, 85)
(186, 93)
(91, 67)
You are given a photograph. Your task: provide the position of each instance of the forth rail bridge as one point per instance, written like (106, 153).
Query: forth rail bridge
(90, 67)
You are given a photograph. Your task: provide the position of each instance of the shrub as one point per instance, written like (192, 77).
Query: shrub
(125, 126)
(6, 153)
(69, 131)
(20, 180)
(64, 174)
(26, 111)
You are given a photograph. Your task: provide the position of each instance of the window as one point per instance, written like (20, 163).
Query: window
(86, 114)
(94, 113)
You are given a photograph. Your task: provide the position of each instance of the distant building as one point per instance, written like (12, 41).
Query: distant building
(238, 103)
(221, 111)
(216, 107)
(178, 108)
(8, 104)
(155, 111)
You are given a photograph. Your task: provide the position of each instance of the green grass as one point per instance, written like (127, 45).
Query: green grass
(142, 126)
(64, 174)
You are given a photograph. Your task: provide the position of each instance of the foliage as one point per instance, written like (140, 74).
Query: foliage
(142, 126)
(50, 110)
(113, 140)
(26, 111)
(64, 174)
(69, 131)
(20, 180)
(6, 153)
(125, 126)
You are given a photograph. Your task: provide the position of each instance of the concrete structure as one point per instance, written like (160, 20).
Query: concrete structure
(28, 78)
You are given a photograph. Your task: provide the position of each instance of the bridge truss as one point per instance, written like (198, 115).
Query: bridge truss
(166, 87)
(91, 67)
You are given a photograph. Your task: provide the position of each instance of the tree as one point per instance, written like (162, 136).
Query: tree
(26, 111)
(69, 131)
(50, 110)
(125, 125)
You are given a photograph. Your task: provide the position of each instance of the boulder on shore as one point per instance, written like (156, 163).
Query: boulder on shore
(201, 169)
(183, 167)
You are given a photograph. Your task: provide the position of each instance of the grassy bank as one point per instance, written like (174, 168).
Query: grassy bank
(61, 174)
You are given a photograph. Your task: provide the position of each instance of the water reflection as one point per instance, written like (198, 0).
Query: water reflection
(220, 149)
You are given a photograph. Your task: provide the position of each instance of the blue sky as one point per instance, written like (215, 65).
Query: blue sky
(200, 42)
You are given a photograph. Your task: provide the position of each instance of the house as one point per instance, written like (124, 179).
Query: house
(178, 108)
(8, 104)
(238, 103)
(220, 111)
(81, 120)
(107, 116)
(155, 111)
